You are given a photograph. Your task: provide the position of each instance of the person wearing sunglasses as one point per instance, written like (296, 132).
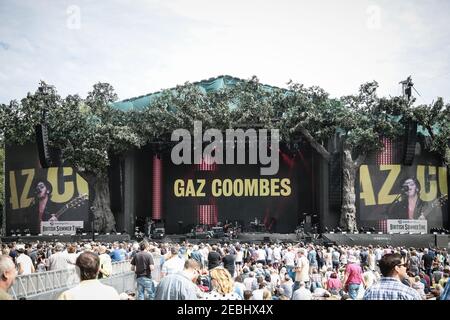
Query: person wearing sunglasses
(390, 287)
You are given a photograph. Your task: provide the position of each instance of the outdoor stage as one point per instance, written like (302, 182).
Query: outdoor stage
(405, 240)
(68, 238)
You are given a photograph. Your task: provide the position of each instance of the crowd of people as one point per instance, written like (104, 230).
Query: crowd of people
(239, 271)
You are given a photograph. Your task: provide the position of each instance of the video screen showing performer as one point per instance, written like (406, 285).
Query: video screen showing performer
(410, 206)
(46, 210)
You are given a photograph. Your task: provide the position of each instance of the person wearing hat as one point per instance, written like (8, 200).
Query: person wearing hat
(24, 263)
(353, 277)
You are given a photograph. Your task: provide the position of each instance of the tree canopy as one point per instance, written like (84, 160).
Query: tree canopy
(88, 130)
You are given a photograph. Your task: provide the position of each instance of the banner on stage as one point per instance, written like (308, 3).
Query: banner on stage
(410, 226)
(60, 227)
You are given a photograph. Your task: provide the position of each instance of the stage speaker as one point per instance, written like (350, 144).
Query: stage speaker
(266, 239)
(410, 143)
(42, 144)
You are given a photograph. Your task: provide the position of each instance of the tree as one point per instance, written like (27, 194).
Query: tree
(2, 191)
(85, 131)
(360, 120)
(435, 119)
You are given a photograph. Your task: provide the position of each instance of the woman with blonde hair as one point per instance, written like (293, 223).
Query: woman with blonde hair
(222, 285)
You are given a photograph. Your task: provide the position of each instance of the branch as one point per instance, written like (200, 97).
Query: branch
(317, 146)
(358, 162)
(430, 131)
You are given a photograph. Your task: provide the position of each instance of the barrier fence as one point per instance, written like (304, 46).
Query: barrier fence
(48, 285)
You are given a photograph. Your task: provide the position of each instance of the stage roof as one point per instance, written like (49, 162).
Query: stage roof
(207, 85)
(212, 84)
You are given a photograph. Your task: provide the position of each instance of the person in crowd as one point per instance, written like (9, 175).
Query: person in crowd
(393, 268)
(105, 263)
(173, 264)
(24, 264)
(301, 270)
(143, 265)
(58, 260)
(302, 293)
(8, 274)
(222, 285)
(214, 258)
(180, 285)
(239, 286)
(90, 288)
(333, 284)
(229, 261)
(353, 277)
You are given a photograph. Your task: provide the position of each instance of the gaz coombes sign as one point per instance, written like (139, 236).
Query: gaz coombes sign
(410, 226)
(261, 187)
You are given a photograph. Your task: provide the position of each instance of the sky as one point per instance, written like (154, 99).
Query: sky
(141, 46)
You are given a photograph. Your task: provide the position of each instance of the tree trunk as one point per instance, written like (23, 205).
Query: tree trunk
(348, 209)
(103, 217)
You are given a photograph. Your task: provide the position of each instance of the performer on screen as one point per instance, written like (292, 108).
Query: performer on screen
(45, 207)
(409, 204)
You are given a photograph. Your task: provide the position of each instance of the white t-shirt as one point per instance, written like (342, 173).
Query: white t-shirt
(277, 254)
(261, 254)
(173, 265)
(258, 294)
(25, 262)
(248, 282)
(289, 258)
(239, 256)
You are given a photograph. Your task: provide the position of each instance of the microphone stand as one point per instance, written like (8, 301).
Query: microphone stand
(387, 212)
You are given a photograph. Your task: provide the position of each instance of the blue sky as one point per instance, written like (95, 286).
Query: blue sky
(144, 46)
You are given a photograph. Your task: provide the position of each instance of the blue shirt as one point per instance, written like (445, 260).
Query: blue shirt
(391, 289)
(446, 293)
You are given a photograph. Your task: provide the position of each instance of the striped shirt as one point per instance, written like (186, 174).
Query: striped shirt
(391, 289)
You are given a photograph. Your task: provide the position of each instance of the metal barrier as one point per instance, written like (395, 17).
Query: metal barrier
(48, 285)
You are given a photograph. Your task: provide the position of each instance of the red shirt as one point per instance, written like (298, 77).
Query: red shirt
(354, 273)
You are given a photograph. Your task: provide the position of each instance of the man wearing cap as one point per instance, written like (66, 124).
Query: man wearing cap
(24, 263)
(301, 270)
(353, 277)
